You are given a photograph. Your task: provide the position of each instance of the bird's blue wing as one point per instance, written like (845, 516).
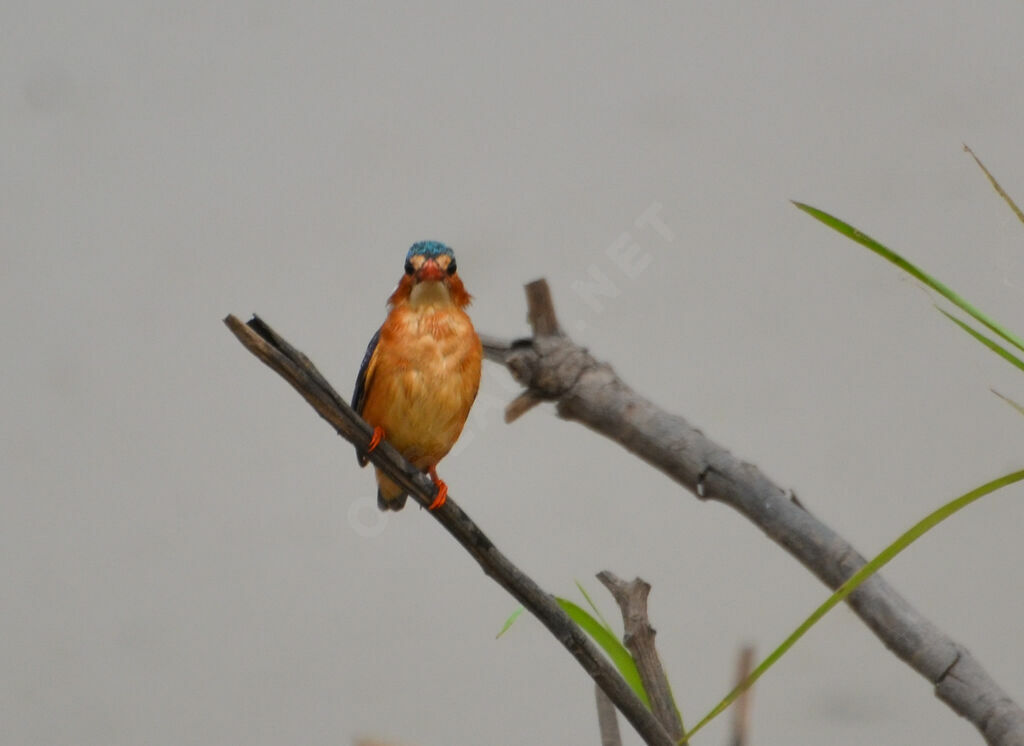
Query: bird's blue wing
(359, 395)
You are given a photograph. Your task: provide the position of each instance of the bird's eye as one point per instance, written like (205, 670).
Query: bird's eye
(408, 268)
(451, 267)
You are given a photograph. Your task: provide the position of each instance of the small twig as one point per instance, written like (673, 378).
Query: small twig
(520, 406)
(741, 710)
(296, 368)
(639, 640)
(541, 309)
(607, 720)
(496, 350)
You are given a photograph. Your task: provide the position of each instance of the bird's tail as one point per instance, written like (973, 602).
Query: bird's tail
(390, 496)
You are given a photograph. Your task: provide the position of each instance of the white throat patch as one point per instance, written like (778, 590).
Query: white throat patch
(430, 293)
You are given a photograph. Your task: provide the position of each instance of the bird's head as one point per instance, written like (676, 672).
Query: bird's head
(429, 261)
(431, 277)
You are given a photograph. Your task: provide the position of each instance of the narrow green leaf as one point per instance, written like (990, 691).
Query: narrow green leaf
(1008, 400)
(615, 650)
(509, 622)
(995, 184)
(910, 536)
(987, 341)
(597, 611)
(886, 253)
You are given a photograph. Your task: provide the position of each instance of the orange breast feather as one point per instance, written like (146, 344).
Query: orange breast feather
(422, 380)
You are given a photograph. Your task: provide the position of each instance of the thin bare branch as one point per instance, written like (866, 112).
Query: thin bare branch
(741, 711)
(588, 391)
(639, 640)
(607, 720)
(296, 368)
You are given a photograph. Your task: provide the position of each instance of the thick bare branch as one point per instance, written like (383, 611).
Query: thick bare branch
(639, 640)
(296, 368)
(588, 391)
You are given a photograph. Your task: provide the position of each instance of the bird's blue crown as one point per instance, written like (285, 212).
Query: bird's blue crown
(429, 249)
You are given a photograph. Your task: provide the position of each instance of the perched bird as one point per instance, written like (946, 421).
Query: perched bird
(421, 370)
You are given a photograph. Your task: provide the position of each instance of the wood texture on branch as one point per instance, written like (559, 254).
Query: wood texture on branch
(296, 368)
(552, 367)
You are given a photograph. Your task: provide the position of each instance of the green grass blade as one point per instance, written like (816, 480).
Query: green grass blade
(995, 184)
(886, 253)
(1008, 400)
(615, 650)
(509, 622)
(597, 611)
(987, 341)
(910, 536)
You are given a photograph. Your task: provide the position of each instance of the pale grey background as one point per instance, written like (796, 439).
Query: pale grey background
(177, 560)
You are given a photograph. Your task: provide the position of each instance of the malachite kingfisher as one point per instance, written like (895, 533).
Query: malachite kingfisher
(421, 370)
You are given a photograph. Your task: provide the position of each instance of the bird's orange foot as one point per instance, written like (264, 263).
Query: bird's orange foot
(442, 490)
(375, 439)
